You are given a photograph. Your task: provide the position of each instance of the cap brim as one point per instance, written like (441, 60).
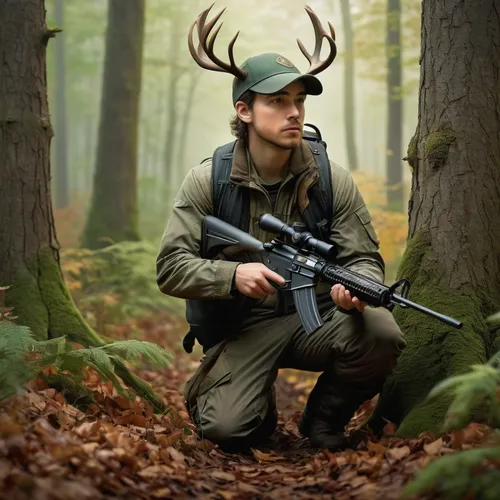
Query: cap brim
(276, 83)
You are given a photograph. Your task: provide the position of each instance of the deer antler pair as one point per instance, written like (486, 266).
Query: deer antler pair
(205, 57)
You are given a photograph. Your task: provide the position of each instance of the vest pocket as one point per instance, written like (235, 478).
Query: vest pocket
(365, 218)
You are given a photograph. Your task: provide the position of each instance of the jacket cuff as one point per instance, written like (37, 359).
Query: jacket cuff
(224, 275)
(349, 312)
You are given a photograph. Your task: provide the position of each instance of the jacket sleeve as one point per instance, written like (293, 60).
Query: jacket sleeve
(352, 231)
(180, 271)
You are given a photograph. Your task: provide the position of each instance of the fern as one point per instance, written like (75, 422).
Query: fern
(133, 349)
(476, 389)
(15, 341)
(15, 370)
(467, 474)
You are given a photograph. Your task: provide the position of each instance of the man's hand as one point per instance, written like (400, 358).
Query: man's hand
(251, 280)
(342, 298)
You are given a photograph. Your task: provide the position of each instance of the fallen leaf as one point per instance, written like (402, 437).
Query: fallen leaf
(224, 476)
(266, 457)
(434, 448)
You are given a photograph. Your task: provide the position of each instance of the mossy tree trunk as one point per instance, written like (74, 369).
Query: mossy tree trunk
(113, 212)
(29, 251)
(453, 249)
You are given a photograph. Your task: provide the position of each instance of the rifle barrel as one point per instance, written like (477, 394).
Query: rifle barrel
(446, 319)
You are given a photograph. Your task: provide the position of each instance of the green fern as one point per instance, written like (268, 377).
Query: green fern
(15, 341)
(466, 474)
(16, 370)
(472, 390)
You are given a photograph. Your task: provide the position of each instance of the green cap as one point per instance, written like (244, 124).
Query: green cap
(269, 73)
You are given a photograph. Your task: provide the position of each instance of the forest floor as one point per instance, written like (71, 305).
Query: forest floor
(120, 449)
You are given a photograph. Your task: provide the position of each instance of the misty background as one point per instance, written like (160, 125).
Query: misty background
(185, 110)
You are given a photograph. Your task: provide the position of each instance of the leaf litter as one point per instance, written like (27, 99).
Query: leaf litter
(50, 450)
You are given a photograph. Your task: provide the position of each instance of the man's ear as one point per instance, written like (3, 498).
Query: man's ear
(243, 112)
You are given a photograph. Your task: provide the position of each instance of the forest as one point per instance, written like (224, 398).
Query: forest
(103, 114)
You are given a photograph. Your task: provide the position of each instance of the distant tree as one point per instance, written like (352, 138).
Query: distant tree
(61, 136)
(453, 249)
(29, 251)
(394, 166)
(349, 93)
(113, 213)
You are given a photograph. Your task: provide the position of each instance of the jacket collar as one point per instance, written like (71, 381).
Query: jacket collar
(242, 171)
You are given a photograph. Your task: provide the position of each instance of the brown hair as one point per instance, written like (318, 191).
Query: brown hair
(239, 128)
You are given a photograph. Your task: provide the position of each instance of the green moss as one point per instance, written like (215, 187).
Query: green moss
(25, 296)
(64, 317)
(411, 154)
(437, 145)
(434, 350)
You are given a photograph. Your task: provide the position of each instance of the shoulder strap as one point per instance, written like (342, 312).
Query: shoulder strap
(230, 202)
(319, 212)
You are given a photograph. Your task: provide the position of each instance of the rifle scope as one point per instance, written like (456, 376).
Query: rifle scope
(305, 240)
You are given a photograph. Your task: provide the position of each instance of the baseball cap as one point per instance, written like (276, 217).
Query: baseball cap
(269, 73)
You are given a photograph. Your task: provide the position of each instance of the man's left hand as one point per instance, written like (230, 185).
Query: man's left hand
(343, 299)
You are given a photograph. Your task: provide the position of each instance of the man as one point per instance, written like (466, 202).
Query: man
(231, 396)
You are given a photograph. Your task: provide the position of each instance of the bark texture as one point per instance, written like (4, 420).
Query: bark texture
(29, 251)
(113, 213)
(453, 253)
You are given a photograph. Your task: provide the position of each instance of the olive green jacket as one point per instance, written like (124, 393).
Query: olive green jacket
(181, 272)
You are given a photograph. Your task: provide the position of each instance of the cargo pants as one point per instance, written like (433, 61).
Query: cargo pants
(231, 396)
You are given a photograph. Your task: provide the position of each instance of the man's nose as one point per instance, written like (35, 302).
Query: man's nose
(293, 111)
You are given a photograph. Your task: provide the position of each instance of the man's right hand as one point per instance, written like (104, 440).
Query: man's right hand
(251, 279)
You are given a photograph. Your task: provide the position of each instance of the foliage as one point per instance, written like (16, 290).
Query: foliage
(22, 358)
(467, 474)
(116, 284)
(475, 390)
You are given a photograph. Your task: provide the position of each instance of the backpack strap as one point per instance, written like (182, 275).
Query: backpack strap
(319, 212)
(230, 202)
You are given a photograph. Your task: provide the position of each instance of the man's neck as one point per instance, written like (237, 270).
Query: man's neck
(269, 160)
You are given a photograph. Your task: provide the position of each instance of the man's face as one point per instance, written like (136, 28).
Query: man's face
(278, 118)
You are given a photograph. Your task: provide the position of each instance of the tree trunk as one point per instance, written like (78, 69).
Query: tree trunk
(115, 176)
(453, 249)
(349, 108)
(193, 83)
(395, 108)
(171, 173)
(61, 152)
(29, 251)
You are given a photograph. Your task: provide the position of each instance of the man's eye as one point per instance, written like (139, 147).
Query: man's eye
(278, 100)
(301, 100)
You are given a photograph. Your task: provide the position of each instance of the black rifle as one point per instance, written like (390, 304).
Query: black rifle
(302, 263)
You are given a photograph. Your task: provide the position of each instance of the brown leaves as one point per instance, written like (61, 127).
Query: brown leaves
(121, 448)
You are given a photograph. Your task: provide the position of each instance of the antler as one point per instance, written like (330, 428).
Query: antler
(204, 55)
(316, 64)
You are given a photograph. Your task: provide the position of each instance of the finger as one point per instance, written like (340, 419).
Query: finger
(265, 285)
(335, 294)
(344, 299)
(274, 277)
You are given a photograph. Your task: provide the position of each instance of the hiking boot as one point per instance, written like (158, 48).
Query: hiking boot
(322, 435)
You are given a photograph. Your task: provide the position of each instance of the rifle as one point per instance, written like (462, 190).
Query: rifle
(303, 263)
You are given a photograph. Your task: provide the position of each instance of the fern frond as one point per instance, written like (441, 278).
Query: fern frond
(99, 360)
(471, 390)
(133, 349)
(453, 477)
